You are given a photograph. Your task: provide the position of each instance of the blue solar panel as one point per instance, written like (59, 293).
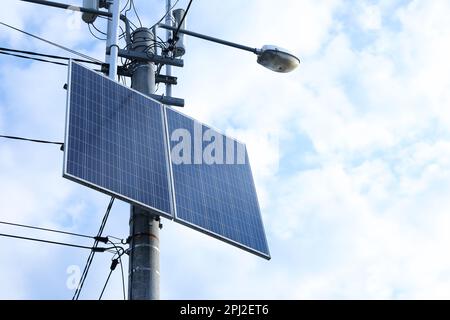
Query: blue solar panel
(115, 141)
(213, 184)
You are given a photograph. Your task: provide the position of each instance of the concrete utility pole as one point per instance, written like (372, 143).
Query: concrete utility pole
(112, 41)
(143, 277)
(168, 36)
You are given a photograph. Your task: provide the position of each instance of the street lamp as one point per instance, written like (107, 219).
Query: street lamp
(277, 59)
(271, 57)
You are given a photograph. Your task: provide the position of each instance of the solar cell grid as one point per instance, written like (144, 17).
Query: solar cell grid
(217, 199)
(118, 141)
(115, 141)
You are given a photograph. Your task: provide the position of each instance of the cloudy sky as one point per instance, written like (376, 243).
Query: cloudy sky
(350, 153)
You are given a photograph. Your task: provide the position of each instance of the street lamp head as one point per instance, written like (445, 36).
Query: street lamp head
(277, 59)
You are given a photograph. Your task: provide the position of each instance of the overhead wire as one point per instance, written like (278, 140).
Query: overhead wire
(135, 12)
(31, 58)
(114, 263)
(119, 254)
(167, 12)
(46, 229)
(127, 10)
(90, 258)
(96, 249)
(111, 269)
(123, 32)
(126, 4)
(100, 31)
(95, 36)
(161, 43)
(51, 43)
(31, 140)
(175, 35)
(112, 237)
(52, 56)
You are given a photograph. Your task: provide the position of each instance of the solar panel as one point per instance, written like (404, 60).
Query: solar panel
(115, 141)
(125, 144)
(213, 185)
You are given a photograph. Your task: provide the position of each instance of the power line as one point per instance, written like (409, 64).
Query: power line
(46, 229)
(123, 278)
(33, 53)
(126, 5)
(175, 35)
(107, 279)
(160, 20)
(121, 267)
(135, 12)
(96, 249)
(96, 37)
(122, 35)
(100, 31)
(31, 140)
(114, 264)
(129, 8)
(31, 58)
(90, 258)
(51, 43)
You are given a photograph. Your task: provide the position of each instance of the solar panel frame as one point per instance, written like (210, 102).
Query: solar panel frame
(200, 228)
(260, 235)
(168, 215)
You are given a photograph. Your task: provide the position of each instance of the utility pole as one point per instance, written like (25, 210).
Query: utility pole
(168, 36)
(112, 41)
(143, 277)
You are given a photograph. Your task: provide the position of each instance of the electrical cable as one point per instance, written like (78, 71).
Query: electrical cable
(51, 43)
(107, 280)
(112, 237)
(121, 36)
(129, 8)
(114, 263)
(33, 53)
(135, 12)
(175, 35)
(46, 229)
(31, 140)
(126, 5)
(96, 37)
(132, 23)
(35, 59)
(123, 279)
(95, 249)
(119, 256)
(90, 258)
(100, 31)
(170, 10)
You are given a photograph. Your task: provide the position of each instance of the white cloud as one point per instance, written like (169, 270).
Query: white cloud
(368, 220)
(370, 17)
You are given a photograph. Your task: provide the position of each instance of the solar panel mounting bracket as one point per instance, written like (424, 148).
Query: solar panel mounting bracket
(128, 54)
(169, 101)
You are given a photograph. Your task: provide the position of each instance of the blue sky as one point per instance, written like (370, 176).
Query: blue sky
(349, 152)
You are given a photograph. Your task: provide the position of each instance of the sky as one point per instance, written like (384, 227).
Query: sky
(350, 152)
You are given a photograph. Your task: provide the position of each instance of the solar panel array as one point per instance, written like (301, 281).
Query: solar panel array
(119, 141)
(115, 141)
(217, 197)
